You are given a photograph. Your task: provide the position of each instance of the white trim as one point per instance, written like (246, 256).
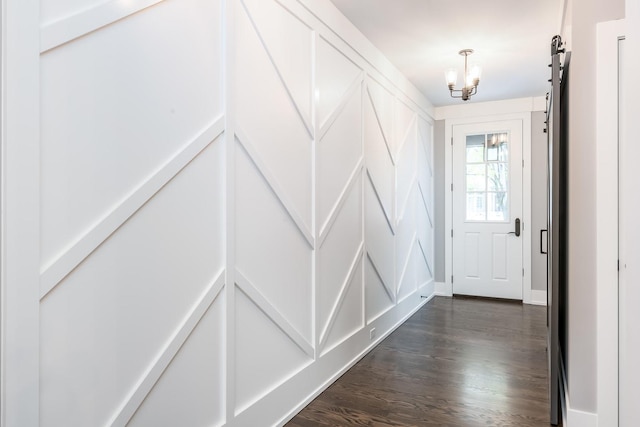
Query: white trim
(252, 292)
(526, 187)
(161, 362)
(493, 108)
(335, 310)
(539, 103)
(229, 82)
(443, 289)
(57, 269)
(59, 32)
(576, 418)
(270, 179)
(337, 26)
(325, 228)
(426, 259)
(608, 34)
(20, 234)
(562, 13)
(448, 205)
(538, 297)
(352, 362)
(629, 233)
(526, 209)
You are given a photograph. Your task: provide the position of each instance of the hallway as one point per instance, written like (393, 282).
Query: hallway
(456, 362)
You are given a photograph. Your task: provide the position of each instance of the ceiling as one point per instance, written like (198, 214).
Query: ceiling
(511, 40)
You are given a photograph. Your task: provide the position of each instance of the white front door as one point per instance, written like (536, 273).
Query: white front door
(487, 209)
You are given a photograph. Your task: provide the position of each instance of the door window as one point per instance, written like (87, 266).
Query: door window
(487, 177)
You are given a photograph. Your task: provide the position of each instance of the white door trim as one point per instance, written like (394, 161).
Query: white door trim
(20, 180)
(607, 132)
(526, 196)
(629, 228)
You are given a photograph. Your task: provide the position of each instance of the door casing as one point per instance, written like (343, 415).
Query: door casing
(609, 203)
(484, 284)
(474, 114)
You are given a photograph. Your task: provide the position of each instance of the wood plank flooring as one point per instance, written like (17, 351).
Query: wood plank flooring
(456, 362)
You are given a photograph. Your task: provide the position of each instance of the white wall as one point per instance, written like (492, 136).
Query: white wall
(539, 212)
(579, 29)
(231, 196)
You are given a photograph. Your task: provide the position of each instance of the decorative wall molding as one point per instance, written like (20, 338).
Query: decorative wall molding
(407, 261)
(392, 227)
(331, 119)
(160, 364)
(275, 186)
(342, 367)
(57, 270)
(335, 210)
(272, 313)
(382, 131)
(343, 292)
(334, 23)
(65, 30)
(407, 133)
(405, 202)
(387, 288)
(422, 138)
(425, 257)
(423, 198)
(322, 334)
(306, 120)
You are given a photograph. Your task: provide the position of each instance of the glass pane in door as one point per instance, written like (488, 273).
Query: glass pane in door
(487, 177)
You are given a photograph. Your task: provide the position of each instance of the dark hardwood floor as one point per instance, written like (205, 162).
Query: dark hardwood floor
(456, 362)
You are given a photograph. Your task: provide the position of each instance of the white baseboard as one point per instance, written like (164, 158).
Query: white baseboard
(443, 289)
(446, 290)
(577, 418)
(538, 297)
(331, 366)
(573, 417)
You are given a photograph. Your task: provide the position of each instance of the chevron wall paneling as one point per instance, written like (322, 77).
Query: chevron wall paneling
(273, 211)
(380, 201)
(339, 157)
(132, 231)
(425, 212)
(233, 194)
(406, 175)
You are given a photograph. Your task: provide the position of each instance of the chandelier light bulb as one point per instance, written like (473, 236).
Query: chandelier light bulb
(451, 76)
(470, 78)
(476, 73)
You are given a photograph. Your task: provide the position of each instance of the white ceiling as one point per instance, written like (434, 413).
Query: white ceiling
(511, 39)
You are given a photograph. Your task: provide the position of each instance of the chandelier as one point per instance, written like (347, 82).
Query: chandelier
(471, 79)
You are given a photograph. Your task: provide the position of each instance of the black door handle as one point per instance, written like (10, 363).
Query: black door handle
(517, 232)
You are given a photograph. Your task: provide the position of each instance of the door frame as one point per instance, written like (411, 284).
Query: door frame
(630, 229)
(484, 284)
(526, 106)
(609, 35)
